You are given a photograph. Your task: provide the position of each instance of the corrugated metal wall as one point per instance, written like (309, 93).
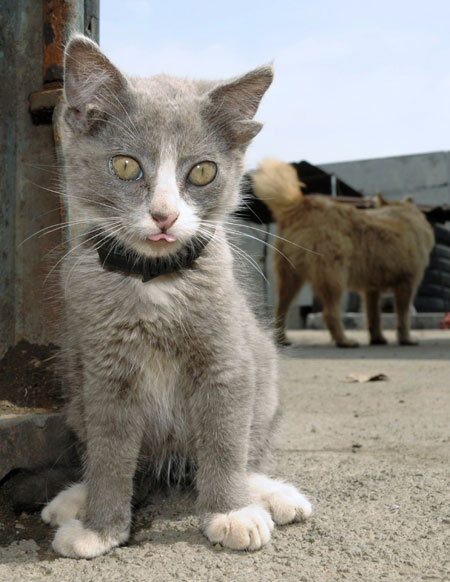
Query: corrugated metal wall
(425, 177)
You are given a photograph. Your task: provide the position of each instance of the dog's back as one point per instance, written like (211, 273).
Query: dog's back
(397, 243)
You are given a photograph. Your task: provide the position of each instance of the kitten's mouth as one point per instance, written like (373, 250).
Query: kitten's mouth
(162, 236)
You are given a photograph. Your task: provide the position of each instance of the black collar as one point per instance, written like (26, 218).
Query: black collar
(118, 257)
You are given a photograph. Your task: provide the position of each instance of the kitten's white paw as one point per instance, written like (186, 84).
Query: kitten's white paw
(69, 504)
(282, 500)
(73, 540)
(244, 529)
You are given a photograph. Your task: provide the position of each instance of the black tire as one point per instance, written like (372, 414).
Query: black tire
(442, 234)
(438, 264)
(431, 305)
(433, 294)
(431, 290)
(437, 277)
(441, 250)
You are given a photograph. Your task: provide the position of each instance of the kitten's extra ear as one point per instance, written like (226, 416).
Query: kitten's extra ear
(233, 104)
(91, 82)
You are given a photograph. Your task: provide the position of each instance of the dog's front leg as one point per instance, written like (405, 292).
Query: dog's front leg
(222, 416)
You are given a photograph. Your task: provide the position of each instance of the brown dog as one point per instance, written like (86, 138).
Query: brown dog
(370, 251)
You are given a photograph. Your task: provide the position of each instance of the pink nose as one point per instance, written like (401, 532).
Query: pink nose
(164, 221)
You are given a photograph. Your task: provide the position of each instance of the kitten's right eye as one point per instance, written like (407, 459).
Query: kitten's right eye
(125, 168)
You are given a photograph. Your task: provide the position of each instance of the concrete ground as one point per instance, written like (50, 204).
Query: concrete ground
(373, 457)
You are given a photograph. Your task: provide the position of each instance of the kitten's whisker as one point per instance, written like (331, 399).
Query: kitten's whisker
(94, 202)
(59, 226)
(52, 168)
(95, 235)
(237, 223)
(114, 96)
(76, 263)
(244, 203)
(240, 252)
(128, 129)
(53, 210)
(120, 126)
(249, 236)
(243, 255)
(107, 222)
(62, 194)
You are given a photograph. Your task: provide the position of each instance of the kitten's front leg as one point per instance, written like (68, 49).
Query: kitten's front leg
(224, 500)
(113, 443)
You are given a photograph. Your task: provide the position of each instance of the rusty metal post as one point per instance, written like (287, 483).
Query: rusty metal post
(8, 105)
(59, 19)
(32, 36)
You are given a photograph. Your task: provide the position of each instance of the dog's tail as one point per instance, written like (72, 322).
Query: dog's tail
(276, 183)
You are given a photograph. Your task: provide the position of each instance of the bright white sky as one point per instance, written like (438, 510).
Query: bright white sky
(354, 79)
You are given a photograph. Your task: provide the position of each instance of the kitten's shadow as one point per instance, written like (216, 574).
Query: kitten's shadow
(167, 518)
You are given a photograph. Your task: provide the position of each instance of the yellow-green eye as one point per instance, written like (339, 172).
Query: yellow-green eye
(202, 173)
(125, 168)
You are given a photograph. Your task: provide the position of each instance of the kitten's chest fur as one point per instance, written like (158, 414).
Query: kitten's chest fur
(155, 332)
(153, 338)
(163, 393)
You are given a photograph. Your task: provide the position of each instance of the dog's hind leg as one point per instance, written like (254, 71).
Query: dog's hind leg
(403, 295)
(289, 283)
(372, 301)
(331, 294)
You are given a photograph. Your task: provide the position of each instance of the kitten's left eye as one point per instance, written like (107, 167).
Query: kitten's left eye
(202, 173)
(125, 168)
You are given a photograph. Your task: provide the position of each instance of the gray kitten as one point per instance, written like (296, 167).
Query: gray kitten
(165, 360)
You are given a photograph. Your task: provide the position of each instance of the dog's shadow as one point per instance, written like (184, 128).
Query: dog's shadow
(436, 348)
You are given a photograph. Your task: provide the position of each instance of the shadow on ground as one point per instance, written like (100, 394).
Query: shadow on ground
(317, 345)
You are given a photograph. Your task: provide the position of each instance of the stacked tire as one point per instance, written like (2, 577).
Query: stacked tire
(433, 295)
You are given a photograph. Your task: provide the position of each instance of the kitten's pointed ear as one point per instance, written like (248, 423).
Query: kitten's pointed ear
(233, 104)
(90, 82)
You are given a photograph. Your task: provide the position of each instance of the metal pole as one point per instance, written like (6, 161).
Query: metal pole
(333, 186)
(32, 34)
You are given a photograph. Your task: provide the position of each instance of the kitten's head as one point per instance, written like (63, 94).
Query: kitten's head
(154, 162)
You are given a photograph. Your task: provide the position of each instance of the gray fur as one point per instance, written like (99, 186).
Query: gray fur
(177, 367)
